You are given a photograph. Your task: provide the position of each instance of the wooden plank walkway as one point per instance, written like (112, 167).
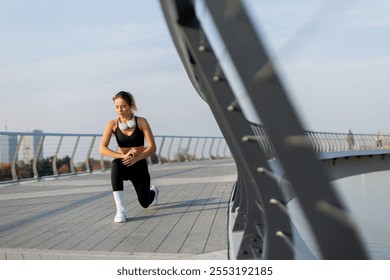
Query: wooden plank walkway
(72, 217)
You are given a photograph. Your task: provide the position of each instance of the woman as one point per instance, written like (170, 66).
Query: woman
(378, 139)
(129, 161)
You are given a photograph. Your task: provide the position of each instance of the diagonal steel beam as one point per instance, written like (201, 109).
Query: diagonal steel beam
(336, 236)
(201, 65)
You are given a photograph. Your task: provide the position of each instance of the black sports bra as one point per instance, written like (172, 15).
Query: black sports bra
(136, 139)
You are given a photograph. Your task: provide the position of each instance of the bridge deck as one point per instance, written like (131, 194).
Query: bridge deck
(72, 217)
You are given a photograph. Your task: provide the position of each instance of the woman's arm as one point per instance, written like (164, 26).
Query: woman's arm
(150, 143)
(105, 141)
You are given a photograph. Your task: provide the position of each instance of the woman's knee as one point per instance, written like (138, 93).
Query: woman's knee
(144, 199)
(145, 204)
(143, 193)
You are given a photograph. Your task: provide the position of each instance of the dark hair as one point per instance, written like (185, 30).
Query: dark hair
(126, 96)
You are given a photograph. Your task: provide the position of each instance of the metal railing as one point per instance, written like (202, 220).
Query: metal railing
(33, 155)
(327, 142)
(322, 142)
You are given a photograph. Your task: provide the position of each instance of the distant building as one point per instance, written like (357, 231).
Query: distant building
(7, 147)
(29, 146)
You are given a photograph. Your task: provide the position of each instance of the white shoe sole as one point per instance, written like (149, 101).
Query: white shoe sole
(120, 219)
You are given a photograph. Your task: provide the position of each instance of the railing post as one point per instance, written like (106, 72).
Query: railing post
(72, 168)
(169, 150)
(87, 163)
(204, 147)
(341, 142)
(178, 150)
(359, 141)
(196, 147)
(13, 164)
(217, 150)
(211, 148)
(55, 169)
(36, 156)
(187, 148)
(317, 140)
(224, 150)
(159, 152)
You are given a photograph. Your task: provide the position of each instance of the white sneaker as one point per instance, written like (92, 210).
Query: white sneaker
(120, 216)
(155, 200)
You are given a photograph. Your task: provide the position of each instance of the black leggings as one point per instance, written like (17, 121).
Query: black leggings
(138, 174)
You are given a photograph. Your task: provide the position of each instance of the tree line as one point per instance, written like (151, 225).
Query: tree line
(45, 167)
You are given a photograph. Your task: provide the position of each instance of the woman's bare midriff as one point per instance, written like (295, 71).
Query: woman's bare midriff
(135, 150)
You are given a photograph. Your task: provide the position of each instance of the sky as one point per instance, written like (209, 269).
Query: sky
(61, 62)
(334, 58)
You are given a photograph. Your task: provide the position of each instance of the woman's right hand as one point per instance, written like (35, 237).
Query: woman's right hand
(129, 158)
(131, 153)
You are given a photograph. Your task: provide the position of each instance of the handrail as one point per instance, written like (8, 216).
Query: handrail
(33, 155)
(326, 142)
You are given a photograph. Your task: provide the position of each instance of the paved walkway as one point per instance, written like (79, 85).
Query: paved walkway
(72, 217)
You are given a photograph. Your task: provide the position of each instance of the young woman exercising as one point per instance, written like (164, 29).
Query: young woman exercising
(129, 161)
